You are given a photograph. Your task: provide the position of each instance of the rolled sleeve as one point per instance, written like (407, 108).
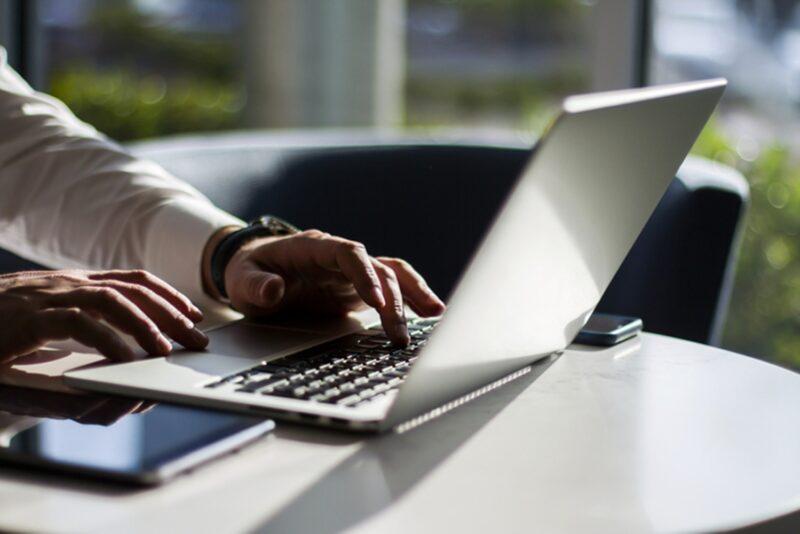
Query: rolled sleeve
(177, 234)
(70, 197)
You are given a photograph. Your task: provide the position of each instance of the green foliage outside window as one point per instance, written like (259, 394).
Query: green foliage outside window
(126, 106)
(764, 317)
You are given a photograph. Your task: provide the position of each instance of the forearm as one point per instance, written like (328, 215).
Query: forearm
(71, 198)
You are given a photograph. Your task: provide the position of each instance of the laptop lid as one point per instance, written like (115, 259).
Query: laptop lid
(590, 186)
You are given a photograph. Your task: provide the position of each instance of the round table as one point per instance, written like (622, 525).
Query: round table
(656, 434)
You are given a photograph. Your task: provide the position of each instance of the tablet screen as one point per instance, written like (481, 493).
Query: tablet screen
(108, 435)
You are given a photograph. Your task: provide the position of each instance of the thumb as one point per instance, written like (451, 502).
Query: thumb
(255, 291)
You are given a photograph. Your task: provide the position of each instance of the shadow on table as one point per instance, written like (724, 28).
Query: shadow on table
(779, 525)
(388, 466)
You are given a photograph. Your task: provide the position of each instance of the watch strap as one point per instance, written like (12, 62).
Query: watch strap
(264, 226)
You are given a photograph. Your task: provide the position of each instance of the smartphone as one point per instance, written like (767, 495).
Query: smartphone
(606, 329)
(119, 440)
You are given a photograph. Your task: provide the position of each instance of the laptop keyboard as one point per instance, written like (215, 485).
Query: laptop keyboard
(349, 371)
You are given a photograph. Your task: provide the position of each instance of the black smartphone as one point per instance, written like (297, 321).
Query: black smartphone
(606, 329)
(117, 439)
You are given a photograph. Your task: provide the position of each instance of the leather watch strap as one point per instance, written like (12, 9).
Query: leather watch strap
(264, 226)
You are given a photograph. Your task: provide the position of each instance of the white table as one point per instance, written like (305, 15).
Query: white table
(655, 434)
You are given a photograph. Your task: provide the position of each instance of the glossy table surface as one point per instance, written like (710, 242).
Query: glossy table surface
(656, 434)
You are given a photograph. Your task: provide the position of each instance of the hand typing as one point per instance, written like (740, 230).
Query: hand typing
(315, 272)
(41, 306)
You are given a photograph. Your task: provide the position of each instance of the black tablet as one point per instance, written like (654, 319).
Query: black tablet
(115, 438)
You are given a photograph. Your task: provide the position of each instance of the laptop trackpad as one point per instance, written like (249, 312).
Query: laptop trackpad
(250, 341)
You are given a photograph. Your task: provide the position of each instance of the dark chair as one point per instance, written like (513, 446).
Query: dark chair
(430, 202)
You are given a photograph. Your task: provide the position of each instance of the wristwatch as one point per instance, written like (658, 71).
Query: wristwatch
(264, 226)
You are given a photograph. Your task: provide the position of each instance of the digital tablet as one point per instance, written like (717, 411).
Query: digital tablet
(116, 439)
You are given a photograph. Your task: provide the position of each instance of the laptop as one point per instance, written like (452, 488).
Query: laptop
(590, 186)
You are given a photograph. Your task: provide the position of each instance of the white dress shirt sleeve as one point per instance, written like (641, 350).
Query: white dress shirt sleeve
(71, 198)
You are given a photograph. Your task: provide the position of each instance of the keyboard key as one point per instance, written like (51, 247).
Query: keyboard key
(281, 392)
(349, 401)
(365, 363)
(395, 382)
(380, 388)
(250, 388)
(258, 376)
(272, 368)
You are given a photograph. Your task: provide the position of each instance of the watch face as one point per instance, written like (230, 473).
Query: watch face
(277, 226)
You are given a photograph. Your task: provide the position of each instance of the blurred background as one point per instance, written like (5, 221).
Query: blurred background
(139, 69)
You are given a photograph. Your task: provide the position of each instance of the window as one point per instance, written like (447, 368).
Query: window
(756, 45)
(147, 68)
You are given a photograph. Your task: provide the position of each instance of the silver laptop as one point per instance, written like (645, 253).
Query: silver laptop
(590, 186)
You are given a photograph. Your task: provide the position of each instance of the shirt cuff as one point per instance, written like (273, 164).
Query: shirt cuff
(174, 245)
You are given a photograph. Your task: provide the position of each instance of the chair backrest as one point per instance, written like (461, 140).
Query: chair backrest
(431, 202)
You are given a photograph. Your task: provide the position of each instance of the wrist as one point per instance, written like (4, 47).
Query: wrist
(229, 241)
(208, 253)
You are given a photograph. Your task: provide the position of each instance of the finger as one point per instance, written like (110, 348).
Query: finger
(354, 262)
(119, 311)
(254, 291)
(71, 323)
(415, 290)
(165, 316)
(393, 315)
(178, 300)
(339, 255)
(332, 254)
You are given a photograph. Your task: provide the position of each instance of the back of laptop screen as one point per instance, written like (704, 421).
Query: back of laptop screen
(575, 212)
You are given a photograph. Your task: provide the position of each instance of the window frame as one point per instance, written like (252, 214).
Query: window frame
(622, 35)
(20, 35)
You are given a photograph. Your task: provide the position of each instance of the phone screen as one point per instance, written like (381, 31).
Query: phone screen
(119, 437)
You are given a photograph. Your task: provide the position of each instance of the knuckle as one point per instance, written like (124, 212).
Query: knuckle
(99, 295)
(352, 247)
(397, 262)
(313, 233)
(140, 275)
(134, 290)
(390, 275)
(73, 316)
(104, 293)
(382, 269)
